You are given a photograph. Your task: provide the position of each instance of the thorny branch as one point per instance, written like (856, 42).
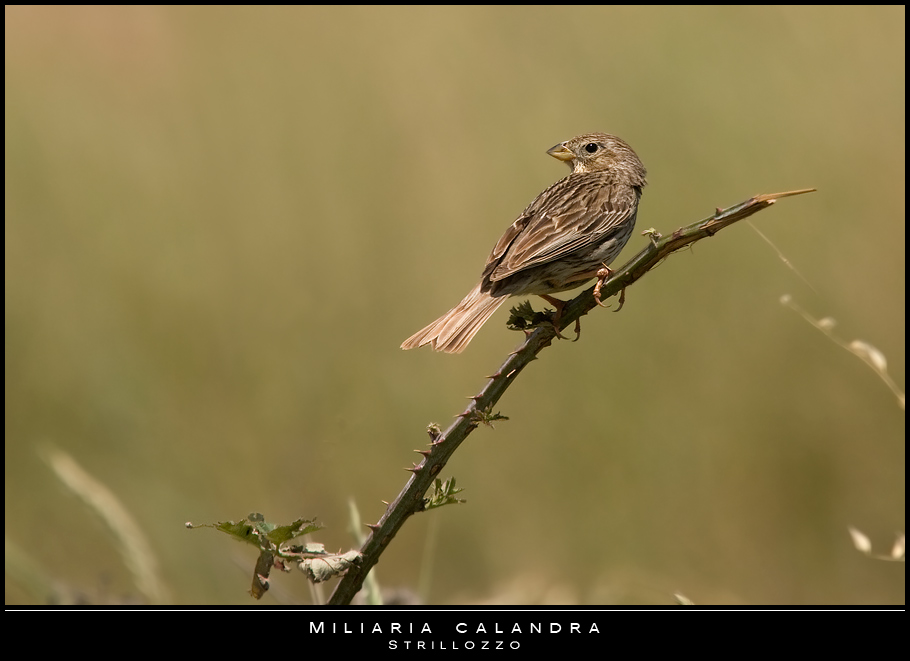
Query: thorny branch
(444, 444)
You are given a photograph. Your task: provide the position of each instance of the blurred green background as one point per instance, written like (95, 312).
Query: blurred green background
(221, 223)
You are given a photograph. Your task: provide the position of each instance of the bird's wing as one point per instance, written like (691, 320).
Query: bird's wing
(575, 212)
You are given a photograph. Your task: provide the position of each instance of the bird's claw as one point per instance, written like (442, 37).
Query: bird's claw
(557, 316)
(622, 299)
(602, 276)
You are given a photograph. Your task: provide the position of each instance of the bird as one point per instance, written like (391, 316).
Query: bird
(567, 236)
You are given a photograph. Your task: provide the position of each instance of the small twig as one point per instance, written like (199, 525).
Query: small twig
(411, 498)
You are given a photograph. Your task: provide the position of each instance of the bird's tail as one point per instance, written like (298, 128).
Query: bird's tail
(453, 331)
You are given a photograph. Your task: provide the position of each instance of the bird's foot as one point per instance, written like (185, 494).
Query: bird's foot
(602, 276)
(557, 317)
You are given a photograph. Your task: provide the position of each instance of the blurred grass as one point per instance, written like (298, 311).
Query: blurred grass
(221, 223)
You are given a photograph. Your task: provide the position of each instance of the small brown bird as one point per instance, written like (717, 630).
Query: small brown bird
(565, 237)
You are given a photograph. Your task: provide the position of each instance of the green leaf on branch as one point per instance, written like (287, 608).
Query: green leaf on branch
(523, 317)
(487, 417)
(257, 531)
(443, 494)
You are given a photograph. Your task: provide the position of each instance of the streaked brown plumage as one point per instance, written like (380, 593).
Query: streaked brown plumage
(564, 237)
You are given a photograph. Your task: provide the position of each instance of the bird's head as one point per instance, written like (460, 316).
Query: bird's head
(601, 152)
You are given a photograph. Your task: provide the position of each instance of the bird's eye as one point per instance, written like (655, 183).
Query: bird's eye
(591, 147)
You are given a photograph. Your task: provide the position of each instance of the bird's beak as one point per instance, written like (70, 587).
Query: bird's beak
(561, 152)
